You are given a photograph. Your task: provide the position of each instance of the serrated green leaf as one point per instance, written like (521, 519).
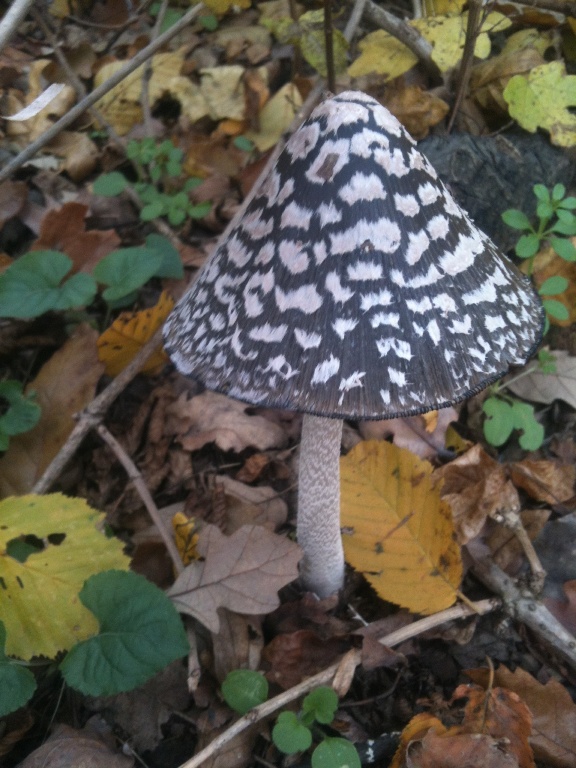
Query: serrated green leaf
(33, 285)
(289, 735)
(110, 184)
(564, 248)
(335, 753)
(516, 219)
(321, 703)
(499, 421)
(244, 689)
(17, 683)
(140, 633)
(553, 286)
(126, 270)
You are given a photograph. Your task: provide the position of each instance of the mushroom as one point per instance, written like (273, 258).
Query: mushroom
(354, 287)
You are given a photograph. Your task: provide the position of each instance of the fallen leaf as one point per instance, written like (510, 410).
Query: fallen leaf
(455, 751)
(275, 117)
(547, 481)
(546, 387)
(242, 572)
(413, 433)
(476, 487)
(553, 736)
(40, 608)
(418, 110)
(67, 746)
(246, 505)
(121, 342)
(222, 89)
(64, 386)
(505, 546)
(294, 656)
(64, 230)
(214, 418)
(544, 100)
(398, 532)
(13, 196)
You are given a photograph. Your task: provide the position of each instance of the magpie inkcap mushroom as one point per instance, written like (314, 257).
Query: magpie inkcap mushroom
(353, 287)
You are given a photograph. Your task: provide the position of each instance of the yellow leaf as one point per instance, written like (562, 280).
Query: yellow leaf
(223, 91)
(40, 607)
(543, 100)
(401, 532)
(120, 343)
(276, 116)
(221, 7)
(382, 54)
(186, 537)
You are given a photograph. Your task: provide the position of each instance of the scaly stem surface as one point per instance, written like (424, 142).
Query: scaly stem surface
(318, 527)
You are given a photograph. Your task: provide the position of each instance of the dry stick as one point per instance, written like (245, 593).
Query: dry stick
(135, 476)
(475, 18)
(407, 35)
(523, 606)
(326, 676)
(97, 93)
(12, 18)
(566, 7)
(94, 413)
(329, 46)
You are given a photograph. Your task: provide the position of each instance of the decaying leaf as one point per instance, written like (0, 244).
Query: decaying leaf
(67, 746)
(415, 433)
(242, 572)
(398, 531)
(64, 385)
(40, 606)
(121, 342)
(553, 736)
(476, 487)
(275, 117)
(547, 481)
(211, 417)
(543, 100)
(545, 387)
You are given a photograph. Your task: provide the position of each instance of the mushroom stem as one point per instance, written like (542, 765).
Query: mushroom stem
(318, 527)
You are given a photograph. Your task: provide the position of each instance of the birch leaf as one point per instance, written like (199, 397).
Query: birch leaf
(398, 531)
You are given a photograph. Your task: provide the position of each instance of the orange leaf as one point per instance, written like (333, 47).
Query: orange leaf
(120, 343)
(400, 533)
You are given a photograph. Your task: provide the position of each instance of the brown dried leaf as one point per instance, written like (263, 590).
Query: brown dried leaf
(13, 195)
(547, 481)
(413, 432)
(545, 387)
(214, 418)
(476, 487)
(251, 506)
(553, 714)
(455, 751)
(64, 386)
(418, 110)
(297, 655)
(242, 572)
(564, 610)
(66, 747)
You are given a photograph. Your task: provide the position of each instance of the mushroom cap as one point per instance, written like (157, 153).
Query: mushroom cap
(354, 286)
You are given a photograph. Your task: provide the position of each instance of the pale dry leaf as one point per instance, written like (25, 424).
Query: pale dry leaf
(242, 572)
(67, 746)
(411, 433)
(64, 386)
(547, 481)
(546, 387)
(246, 505)
(214, 418)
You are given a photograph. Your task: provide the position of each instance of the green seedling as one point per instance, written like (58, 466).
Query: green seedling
(295, 732)
(159, 186)
(19, 412)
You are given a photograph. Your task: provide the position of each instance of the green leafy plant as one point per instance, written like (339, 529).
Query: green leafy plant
(19, 414)
(160, 185)
(506, 413)
(37, 282)
(140, 633)
(556, 224)
(294, 732)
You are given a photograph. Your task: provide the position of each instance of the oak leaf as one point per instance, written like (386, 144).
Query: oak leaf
(545, 387)
(242, 572)
(398, 531)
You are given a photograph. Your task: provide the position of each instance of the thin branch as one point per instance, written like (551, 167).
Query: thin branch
(98, 92)
(12, 18)
(136, 478)
(407, 35)
(329, 46)
(475, 19)
(327, 675)
(94, 413)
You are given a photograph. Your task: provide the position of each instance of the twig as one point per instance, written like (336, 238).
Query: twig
(94, 413)
(524, 607)
(475, 18)
(329, 46)
(354, 20)
(12, 18)
(326, 676)
(97, 93)
(135, 476)
(408, 36)
(511, 520)
(566, 7)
